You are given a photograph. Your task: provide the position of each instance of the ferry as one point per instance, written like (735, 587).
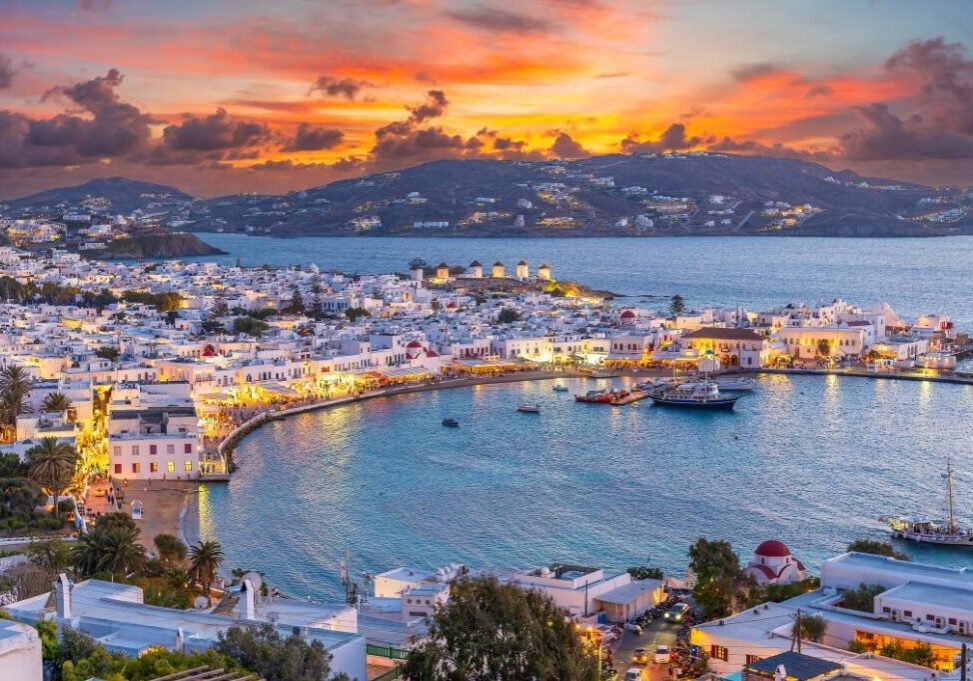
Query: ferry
(533, 408)
(701, 395)
(928, 531)
(735, 384)
(451, 423)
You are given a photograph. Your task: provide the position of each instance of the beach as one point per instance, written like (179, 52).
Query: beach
(163, 506)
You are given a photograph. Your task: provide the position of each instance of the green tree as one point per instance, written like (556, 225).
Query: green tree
(810, 627)
(111, 548)
(508, 315)
(296, 304)
(862, 598)
(52, 555)
(15, 384)
(107, 352)
(354, 313)
(640, 572)
(489, 631)
(676, 305)
(877, 547)
(169, 548)
(11, 466)
(52, 464)
(249, 326)
(58, 402)
(718, 576)
(205, 559)
(220, 307)
(273, 657)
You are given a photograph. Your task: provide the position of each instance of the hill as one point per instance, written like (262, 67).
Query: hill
(614, 195)
(159, 245)
(123, 196)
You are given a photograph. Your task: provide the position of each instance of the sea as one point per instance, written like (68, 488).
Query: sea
(810, 460)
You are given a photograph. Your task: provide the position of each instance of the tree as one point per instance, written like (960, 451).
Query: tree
(220, 307)
(353, 313)
(862, 598)
(205, 558)
(15, 384)
(53, 556)
(296, 304)
(824, 348)
(11, 466)
(489, 630)
(53, 464)
(249, 326)
(169, 548)
(508, 315)
(810, 627)
(272, 657)
(676, 305)
(640, 572)
(112, 547)
(718, 576)
(876, 547)
(59, 402)
(108, 352)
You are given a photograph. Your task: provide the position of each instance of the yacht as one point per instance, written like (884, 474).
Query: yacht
(698, 395)
(933, 531)
(533, 408)
(735, 384)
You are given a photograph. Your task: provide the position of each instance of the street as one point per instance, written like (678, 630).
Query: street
(658, 632)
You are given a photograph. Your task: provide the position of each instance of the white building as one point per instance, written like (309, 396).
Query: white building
(773, 563)
(20, 652)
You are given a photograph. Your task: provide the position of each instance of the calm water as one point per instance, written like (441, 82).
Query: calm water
(914, 275)
(811, 460)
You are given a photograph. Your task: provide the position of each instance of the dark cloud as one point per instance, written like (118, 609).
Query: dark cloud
(217, 132)
(672, 138)
(434, 107)
(314, 138)
(819, 91)
(565, 146)
(94, 5)
(334, 87)
(753, 72)
(777, 150)
(500, 20)
(946, 77)
(423, 144)
(885, 137)
(7, 71)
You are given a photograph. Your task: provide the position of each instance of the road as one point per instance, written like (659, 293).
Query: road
(657, 632)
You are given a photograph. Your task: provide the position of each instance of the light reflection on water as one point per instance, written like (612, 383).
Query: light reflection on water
(811, 460)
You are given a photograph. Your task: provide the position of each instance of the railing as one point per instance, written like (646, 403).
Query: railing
(386, 651)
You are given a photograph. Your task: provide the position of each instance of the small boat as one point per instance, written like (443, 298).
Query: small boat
(701, 395)
(629, 398)
(735, 384)
(595, 397)
(927, 531)
(558, 388)
(451, 423)
(529, 408)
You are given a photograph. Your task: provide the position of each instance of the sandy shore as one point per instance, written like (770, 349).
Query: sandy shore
(163, 506)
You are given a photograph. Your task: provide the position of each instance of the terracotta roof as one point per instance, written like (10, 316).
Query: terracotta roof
(772, 548)
(724, 334)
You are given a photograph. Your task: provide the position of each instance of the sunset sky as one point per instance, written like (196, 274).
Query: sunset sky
(219, 96)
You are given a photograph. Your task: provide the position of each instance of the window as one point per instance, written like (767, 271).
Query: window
(135, 450)
(952, 620)
(170, 449)
(172, 466)
(187, 448)
(117, 450)
(153, 467)
(930, 617)
(118, 469)
(135, 468)
(189, 466)
(152, 450)
(753, 658)
(907, 613)
(719, 653)
(886, 609)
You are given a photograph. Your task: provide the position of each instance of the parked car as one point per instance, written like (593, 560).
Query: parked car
(634, 674)
(677, 613)
(634, 628)
(640, 656)
(662, 654)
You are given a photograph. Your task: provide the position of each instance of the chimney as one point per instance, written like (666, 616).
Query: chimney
(250, 600)
(62, 596)
(180, 640)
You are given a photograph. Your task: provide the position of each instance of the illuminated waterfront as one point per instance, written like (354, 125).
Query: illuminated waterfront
(811, 460)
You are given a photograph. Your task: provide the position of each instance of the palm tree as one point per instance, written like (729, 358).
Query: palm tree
(205, 558)
(52, 463)
(58, 402)
(111, 549)
(15, 383)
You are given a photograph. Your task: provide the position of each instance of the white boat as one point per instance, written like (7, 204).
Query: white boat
(696, 395)
(735, 384)
(529, 408)
(558, 388)
(933, 531)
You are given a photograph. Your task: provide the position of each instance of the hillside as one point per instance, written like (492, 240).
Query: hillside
(123, 196)
(614, 195)
(174, 245)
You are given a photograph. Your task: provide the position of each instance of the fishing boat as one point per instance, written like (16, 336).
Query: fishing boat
(735, 384)
(596, 397)
(558, 388)
(928, 531)
(532, 408)
(451, 423)
(698, 395)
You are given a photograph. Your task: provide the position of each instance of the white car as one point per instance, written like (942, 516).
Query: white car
(662, 654)
(634, 674)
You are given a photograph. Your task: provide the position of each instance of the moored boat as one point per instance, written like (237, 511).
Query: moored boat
(629, 398)
(595, 397)
(929, 531)
(532, 408)
(558, 388)
(735, 384)
(699, 395)
(451, 423)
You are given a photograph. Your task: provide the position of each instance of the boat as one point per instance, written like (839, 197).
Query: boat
(735, 384)
(928, 531)
(595, 397)
(451, 423)
(629, 398)
(529, 408)
(698, 395)
(558, 388)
